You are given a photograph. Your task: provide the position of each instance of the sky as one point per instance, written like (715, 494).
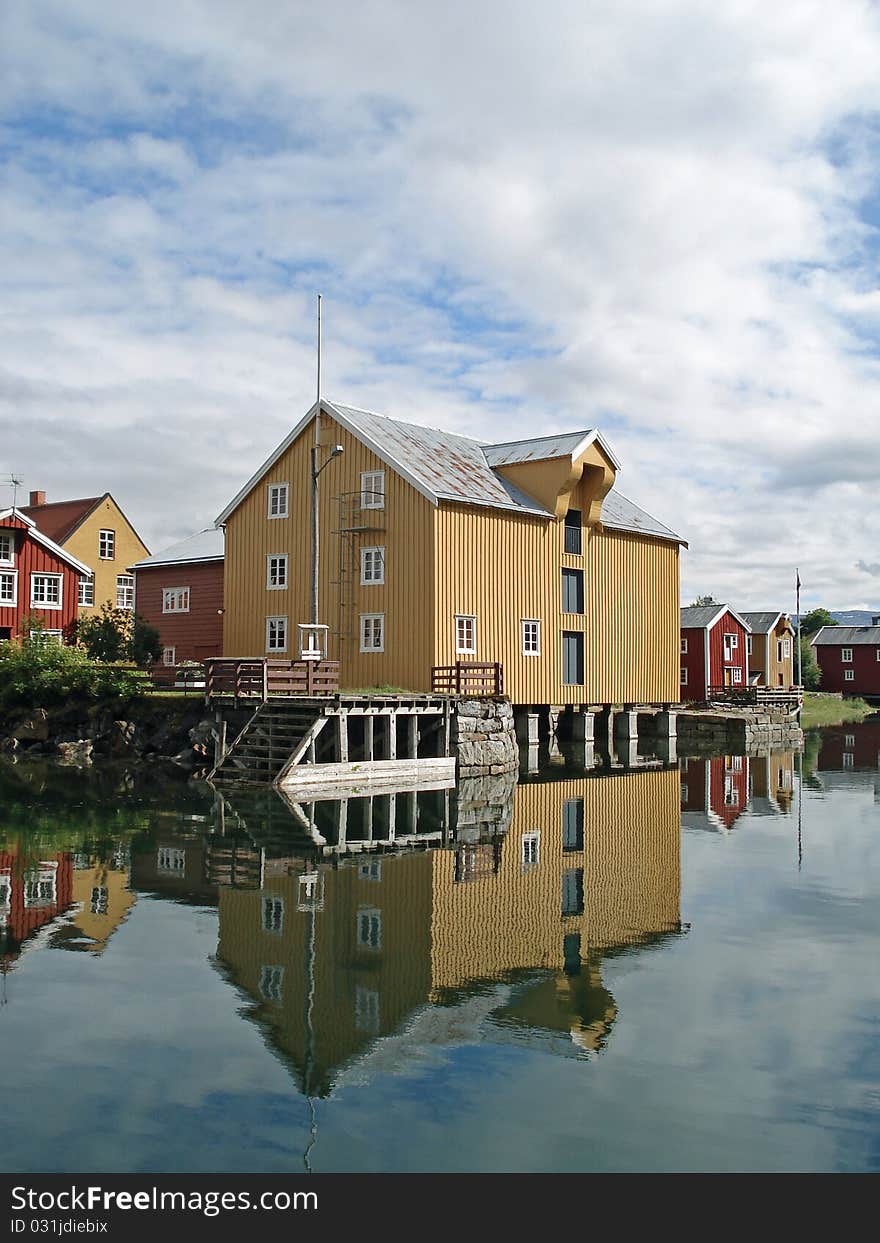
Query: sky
(658, 219)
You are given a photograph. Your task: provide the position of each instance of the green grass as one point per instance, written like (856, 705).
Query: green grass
(375, 690)
(824, 709)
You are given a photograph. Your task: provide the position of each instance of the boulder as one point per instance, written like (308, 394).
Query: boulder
(79, 752)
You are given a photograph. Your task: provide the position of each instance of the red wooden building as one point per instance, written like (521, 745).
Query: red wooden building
(180, 592)
(714, 792)
(38, 580)
(713, 650)
(849, 658)
(31, 896)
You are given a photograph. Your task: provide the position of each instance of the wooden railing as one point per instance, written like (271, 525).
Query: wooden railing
(756, 696)
(257, 678)
(468, 677)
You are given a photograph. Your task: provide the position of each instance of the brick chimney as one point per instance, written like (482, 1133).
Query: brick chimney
(37, 499)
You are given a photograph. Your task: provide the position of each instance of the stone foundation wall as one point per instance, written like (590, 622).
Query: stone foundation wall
(483, 807)
(743, 730)
(483, 737)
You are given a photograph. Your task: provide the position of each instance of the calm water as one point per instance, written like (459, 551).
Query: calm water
(662, 969)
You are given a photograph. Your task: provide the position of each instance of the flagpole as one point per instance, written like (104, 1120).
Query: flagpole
(798, 613)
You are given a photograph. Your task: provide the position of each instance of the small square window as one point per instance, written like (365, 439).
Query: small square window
(175, 599)
(369, 929)
(372, 632)
(849, 675)
(169, 656)
(373, 489)
(737, 676)
(683, 677)
(531, 637)
(372, 566)
(8, 589)
(278, 500)
(276, 634)
(276, 572)
(46, 591)
(846, 654)
(465, 635)
(107, 545)
(684, 645)
(125, 592)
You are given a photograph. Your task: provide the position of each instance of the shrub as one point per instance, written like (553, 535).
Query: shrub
(38, 671)
(118, 634)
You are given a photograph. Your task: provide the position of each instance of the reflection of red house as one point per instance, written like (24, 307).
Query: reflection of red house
(849, 658)
(714, 792)
(37, 578)
(850, 746)
(713, 650)
(31, 895)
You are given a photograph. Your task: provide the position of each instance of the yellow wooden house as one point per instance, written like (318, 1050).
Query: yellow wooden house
(96, 531)
(437, 549)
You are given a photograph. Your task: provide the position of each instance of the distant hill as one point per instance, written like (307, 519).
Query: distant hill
(855, 617)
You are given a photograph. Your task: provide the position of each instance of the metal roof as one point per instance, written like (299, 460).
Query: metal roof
(445, 466)
(41, 538)
(763, 623)
(847, 636)
(58, 519)
(704, 616)
(207, 545)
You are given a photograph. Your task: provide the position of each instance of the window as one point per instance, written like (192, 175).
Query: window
(847, 759)
(685, 795)
(366, 1009)
(572, 591)
(271, 979)
(310, 892)
(276, 634)
(530, 849)
(684, 645)
(372, 566)
(273, 914)
(98, 903)
(849, 740)
(573, 891)
(46, 591)
(683, 677)
(371, 870)
(748, 645)
(786, 648)
(7, 548)
(369, 928)
(86, 596)
(731, 793)
(849, 675)
(169, 656)
(465, 635)
(373, 489)
(878, 653)
(733, 763)
(573, 532)
(531, 637)
(171, 859)
(39, 887)
(276, 572)
(41, 635)
(9, 588)
(571, 953)
(372, 632)
(573, 824)
(278, 500)
(737, 675)
(846, 655)
(107, 545)
(125, 591)
(572, 658)
(731, 643)
(175, 599)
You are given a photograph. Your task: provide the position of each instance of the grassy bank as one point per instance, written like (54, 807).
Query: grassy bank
(821, 709)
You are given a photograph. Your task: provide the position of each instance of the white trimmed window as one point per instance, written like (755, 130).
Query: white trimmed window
(849, 740)
(276, 572)
(372, 489)
(171, 859)
(9, 588)
(7, 548)
(125, 592)
(731, 643)
(107, 545)
(465, 634)
(684, 645)
(273, 914)
(278, 502)
(40, 887)
(276, 634)
(878, 653)
(848, 759)
(846, 655)
(86, 596)
(849, 675)
(372, 566)
(366, 1009)
(55, 635)
(531, 636)
(169, 656)
(748, 645)
(683, 677)
(737, 675)
(46, 591)
(372, 632)
(175, 599)
(786, 648)
(271, 981)
(530, 849)
(369, 928)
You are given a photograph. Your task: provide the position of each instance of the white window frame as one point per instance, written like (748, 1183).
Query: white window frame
(86, 582)
(373, 566)
(58, 635)
(45, 604)
(684, 645)
(171, 859)
(749, 644)
(530, 849)
(106, 544)
(7, 538)
(280, 494)
(281, 560)
(682, 676)
(786, 649)
(849, 675)
(878, 653)
(367, 1011)
(271, 982)
(165, 656)
(273, 903)
(368, 631)
(846, 655)
(849, 740)
(12, 575)
(372, 494)
(737, 676)
(462, 646)
(848, 759)
(530, 642)
(731, 643)
(172, 598)
(124, 584)
(274, 623)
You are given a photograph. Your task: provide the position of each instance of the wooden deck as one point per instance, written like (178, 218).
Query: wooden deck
(758, 696)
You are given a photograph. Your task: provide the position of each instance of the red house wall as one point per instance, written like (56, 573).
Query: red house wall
(23, 920)
(722, 776)
(864, 664)
(694, 660)
(195, 635)
(727, 624)
(865, 748)
(33, 558)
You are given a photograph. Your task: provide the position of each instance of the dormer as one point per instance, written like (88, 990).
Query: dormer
(549, 468)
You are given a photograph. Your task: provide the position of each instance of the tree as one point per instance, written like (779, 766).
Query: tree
(813, 621)
(810, 672)
(146, 642)
(118, 634)
(704, 601)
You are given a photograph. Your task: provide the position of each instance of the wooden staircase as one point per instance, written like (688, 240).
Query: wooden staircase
(275, 738)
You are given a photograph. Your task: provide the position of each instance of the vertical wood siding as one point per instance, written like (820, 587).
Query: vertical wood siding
(33, 558)
(197, 634)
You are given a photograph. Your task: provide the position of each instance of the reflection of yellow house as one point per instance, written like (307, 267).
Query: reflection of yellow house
(771, 781)
(103, 899)
(587, 866)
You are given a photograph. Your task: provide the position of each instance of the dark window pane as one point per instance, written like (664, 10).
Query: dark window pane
(573, 891)
(573, 531)
(572, 658)
(571, 953)
(572, 591)
(573, 824)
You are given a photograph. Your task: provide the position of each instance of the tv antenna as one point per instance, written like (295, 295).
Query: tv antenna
(15, 483)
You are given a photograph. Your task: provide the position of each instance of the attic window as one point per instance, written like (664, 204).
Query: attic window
(574, 532)
(373, 489)
(107, 545)
(7, 548)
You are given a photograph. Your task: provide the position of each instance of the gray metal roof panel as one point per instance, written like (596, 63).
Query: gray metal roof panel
(538, 449)
(207, 545)
(620, 513)
(697, 617)
(762, 622)
(847, 636)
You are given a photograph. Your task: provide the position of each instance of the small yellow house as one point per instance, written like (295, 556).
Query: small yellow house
(770, 649)
(435, 549)
(96, 532)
